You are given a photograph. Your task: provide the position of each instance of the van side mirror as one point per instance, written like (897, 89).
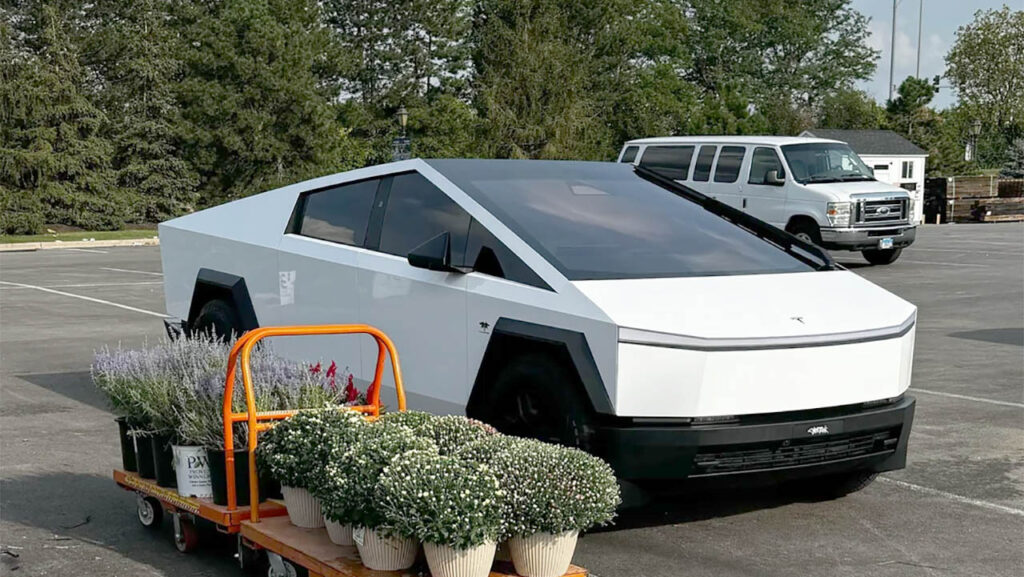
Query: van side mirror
(435, 254)
(773, 178)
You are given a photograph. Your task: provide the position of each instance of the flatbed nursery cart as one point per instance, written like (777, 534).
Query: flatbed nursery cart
(291, 551)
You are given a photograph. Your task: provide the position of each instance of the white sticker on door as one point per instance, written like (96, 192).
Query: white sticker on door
(286, 286)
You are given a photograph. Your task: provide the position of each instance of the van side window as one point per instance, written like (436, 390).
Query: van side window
(339, 214)
(763, 161)
(630, 154)
(705, 158)
(485, 254)
(729, 162)
(669, 161)
(417, 211)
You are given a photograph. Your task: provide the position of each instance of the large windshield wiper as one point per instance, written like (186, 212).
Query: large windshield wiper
(806, 252)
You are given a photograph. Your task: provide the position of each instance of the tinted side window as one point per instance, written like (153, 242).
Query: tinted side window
(762, 162)
(630, 154)
(705, 158)
(485, 254)
(670, 161)
(339, 214)
(729, 162)
(417, 212)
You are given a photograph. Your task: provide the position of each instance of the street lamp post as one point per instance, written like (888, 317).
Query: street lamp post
(401, 146)
(970, 151)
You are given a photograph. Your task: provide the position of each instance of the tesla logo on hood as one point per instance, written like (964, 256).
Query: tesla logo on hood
(798, 319)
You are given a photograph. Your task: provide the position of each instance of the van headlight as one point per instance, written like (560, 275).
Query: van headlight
(839, 213)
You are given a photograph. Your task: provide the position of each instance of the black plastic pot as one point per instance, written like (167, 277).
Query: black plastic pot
(163, 461)
(218, 477)
(127, 446)
(144, 457)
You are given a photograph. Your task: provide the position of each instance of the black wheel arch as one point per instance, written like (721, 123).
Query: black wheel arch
(211, 285)
(513, 338)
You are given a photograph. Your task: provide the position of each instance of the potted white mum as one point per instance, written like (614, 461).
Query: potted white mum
(294, 452)
(553, 493)
(453, 506)
(361, 467)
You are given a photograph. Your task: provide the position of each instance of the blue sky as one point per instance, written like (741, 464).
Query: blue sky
(941, 20)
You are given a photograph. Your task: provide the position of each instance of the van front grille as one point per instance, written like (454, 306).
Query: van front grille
(792, 453)
(872, 212)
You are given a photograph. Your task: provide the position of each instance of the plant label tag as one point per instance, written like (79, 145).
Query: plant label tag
(286, 287)
(357, 535)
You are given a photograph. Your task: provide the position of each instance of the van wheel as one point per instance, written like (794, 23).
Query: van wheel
(219, 319)
(806, 231)
(535, 396)
(831, 487)
(887, 256)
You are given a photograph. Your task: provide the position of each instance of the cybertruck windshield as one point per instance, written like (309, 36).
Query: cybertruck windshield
(595, 220)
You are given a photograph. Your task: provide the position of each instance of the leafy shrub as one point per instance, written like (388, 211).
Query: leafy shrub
(349, 489)
(554, 489)
(295, 450)
(440, 500)
(411, 419)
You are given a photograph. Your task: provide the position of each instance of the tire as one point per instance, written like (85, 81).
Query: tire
(150, 512)
(879, 257)
(250, 561)
(832, 486)
(287, 569)
(806, 231)
(218, 318)
(536, 396)
(186, 537)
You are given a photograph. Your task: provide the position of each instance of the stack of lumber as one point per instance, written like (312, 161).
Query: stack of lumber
(985, 199)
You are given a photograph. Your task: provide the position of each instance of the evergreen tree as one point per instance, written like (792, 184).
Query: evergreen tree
(54, 162)
(257, 96)
(134, 51)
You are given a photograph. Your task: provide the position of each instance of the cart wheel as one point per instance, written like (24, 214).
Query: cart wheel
(278, 566)
(186, 538)
(250, 560)
(150, 512)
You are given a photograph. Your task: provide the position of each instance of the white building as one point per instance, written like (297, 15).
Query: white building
(894, 159)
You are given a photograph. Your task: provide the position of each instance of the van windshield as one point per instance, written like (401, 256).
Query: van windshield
(817, 162)
(597, 220)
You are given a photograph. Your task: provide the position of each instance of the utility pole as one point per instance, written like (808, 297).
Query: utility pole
(920, 21)
(892, 48)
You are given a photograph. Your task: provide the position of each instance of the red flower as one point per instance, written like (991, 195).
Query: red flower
(351, 392)
(315, 369)
(331, 371)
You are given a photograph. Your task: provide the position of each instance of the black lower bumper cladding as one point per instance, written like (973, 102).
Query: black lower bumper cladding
(771, 447)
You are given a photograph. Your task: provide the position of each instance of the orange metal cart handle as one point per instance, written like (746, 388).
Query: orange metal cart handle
(242, 350)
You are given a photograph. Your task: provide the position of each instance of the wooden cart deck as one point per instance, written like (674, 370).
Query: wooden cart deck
(204, 508)
(312, 549)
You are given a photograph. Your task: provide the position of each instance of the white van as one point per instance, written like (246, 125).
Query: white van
(816, 189)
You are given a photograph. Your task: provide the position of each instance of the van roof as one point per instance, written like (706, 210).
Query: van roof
(770, 140)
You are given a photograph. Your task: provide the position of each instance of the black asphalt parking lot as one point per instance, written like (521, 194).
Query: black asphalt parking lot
(957, 509)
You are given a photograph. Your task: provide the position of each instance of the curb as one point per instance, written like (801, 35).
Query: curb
(33, 246)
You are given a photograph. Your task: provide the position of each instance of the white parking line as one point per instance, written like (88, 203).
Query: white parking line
(85, 298)
(944, 263)
(969, 398)
(982, 251)
(130, 270)
(90, 285)
(92, 250)
(953, 497)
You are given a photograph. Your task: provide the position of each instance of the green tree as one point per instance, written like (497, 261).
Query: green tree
(986, 66)
(910, 107)
(849, 108)
(258, 96)
(54, 161)
(135, 52)
(1014, 166)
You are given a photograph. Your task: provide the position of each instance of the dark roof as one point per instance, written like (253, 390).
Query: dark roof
(869, 141)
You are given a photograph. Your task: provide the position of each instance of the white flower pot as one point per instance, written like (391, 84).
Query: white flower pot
(445, 561)
(340, 534)
(385, 553)
(303, 508)
(192, 469)
(543, 554)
